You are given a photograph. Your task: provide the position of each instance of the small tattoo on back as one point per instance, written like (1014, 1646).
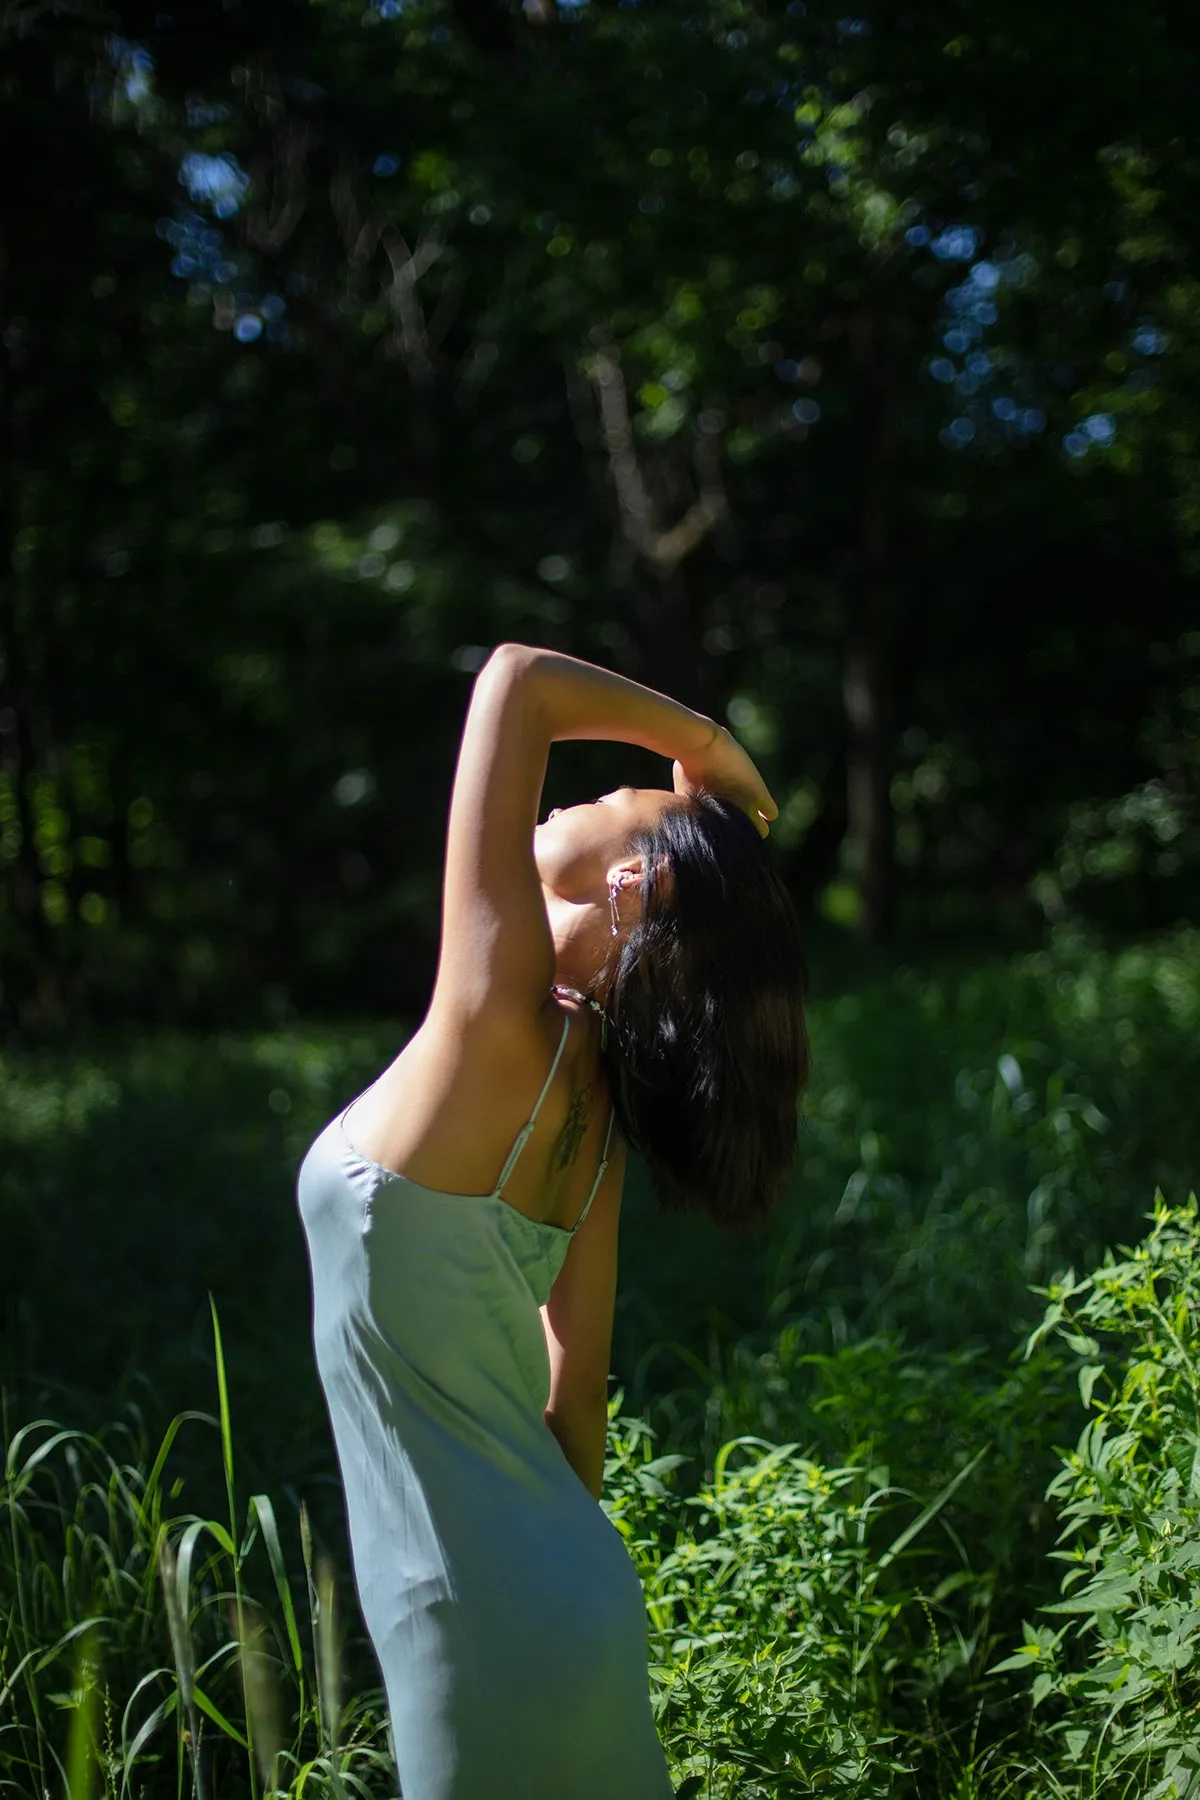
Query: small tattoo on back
(566, 1145)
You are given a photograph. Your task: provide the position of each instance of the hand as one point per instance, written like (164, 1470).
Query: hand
(723, 767)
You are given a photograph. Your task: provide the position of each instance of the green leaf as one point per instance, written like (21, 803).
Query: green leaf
(218, 1718)
(931, 1511)
(1024, 1659)
(1089, 1374)
(223, 1400)
(265, 1512)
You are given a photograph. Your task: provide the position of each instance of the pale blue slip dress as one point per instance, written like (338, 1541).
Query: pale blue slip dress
(507, 1616)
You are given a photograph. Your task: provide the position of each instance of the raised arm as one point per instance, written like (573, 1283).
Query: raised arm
(497, 955)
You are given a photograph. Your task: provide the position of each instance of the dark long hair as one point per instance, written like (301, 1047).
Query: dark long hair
(706, 1048)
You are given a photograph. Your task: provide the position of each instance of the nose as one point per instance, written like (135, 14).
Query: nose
(553, 813)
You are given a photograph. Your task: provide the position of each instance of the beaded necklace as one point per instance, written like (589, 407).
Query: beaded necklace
(586, 1000)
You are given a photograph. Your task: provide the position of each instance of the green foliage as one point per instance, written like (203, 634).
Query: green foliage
(1116, 1674)
(927, 1196)
(149, 1651)
(347, 369)
(971, 1126)
(777, 1616)
(796, 1605)
(788, 1416)
(768, 1609)
(819, 370)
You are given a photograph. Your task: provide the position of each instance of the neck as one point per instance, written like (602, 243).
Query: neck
(580, 944)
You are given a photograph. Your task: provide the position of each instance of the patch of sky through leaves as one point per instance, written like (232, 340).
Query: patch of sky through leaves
(969, 371)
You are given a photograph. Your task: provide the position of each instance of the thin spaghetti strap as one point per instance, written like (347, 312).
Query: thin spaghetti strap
(599, 1174)
(523, 1135)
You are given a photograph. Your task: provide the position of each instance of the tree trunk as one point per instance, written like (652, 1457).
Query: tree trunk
(867, 693)
(868, 675)
(25, 959)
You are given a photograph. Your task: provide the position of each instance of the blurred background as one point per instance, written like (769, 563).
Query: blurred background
(837, 373)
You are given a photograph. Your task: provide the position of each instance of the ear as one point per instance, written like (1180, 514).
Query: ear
(630, 872)
(627, 873)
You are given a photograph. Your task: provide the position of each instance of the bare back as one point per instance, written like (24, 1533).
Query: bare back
(445, 1112)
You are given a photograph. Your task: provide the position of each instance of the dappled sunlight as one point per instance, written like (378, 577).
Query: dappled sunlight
(834, 374)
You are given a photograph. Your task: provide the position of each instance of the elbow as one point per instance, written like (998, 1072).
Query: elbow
(512, 672)
(510, 660)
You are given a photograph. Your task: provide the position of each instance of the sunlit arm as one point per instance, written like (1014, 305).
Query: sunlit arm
(578, 1320)
(582, 1433)
(576, 699)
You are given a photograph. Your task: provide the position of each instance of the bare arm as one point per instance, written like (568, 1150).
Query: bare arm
(497, 956)
(579, 700)
(577, 1320)
(582, 1435)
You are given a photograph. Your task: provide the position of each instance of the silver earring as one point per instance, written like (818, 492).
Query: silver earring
(612, 907)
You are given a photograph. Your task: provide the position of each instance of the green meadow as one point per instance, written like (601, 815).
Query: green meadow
(912, 1482)
(835, 371)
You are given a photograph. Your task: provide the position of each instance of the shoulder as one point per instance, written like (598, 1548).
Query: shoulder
(509, 1047)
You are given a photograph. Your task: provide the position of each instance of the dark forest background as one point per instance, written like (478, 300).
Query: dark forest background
(837, 374)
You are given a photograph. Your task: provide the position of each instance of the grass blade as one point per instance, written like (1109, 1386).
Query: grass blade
(81, 1740)
(265, 1513)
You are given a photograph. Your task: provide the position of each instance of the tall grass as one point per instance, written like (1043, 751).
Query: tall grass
(158, 1653)
(150, 1652)
(969, 1130)
(840, 1478)
(815, 1627)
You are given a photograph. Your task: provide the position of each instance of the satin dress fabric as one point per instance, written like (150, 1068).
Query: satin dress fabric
(505, 1612)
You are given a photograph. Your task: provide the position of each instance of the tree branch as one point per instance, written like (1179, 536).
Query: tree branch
(410, 340)
(360, 232)
(664, 549)
(279, 181)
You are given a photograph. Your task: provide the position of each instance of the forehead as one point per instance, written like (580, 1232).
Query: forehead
(633, 809)
(644, 797)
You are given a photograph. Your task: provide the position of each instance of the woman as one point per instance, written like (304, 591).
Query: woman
(627, 971)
